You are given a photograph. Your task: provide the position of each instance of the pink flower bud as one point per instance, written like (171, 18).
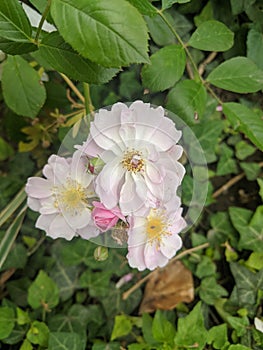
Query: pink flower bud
(105, 218)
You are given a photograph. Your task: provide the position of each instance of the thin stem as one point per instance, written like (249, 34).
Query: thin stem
(126, 294)
(196, 71)
(177, 36)
(44, 16)
(73, 87)
(230, 183)
(88, 103)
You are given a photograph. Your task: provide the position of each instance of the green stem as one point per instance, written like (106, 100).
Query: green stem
(177, 36)
(88, 103)
(44, 16)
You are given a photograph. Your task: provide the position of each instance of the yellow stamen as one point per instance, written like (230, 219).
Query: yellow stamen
(156, 226)
(133, 161)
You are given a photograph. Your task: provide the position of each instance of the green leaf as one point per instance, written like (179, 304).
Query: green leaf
(43, 292)
(255, 261)
(10, 235)
(226, 164)
(7, 321)
(11, 207)
(247, 284)
(145, 7)
(212, 36)
(66, 278)
(244, 149)
(210, 291)
(26, 345)
(17, 257)
(96, 282)
(63, 341)
(222, 229)
(255, 47)
(22, 317)
(238, 347)
(38, 333)
(16, 48)
(249, 228)
(168, 3)
(217, 336)
(122, 326)
(166, 68)
(205, 15)
(162, 329)
(198, 334)
(23, 90)
(240, 324)
(64, 59)
(101, 32)
(260, 183)
(252, 170)
(206, 267)
(245, 120)
(238, 74)
(14, 24)
(5, 149)
(186, 99)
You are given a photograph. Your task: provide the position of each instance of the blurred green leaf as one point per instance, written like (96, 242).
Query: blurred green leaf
(168, 3)
(246, 121)
(96, 282)
(260, 183)
(14, 24)
(101, 32)
(29, 94)
(122, 326)
(166, 67)
(10, 236)
(63, 340)
(194, 321)
(255, 47)
(43, 292)
(212, 36)
(226, 164)
(26, 345)
(5, 149)
(238, 74)
(187, 99)
(64, 59)
(244, 149)
(205, 268)
(251, 170)
(240, 324)
(16, 48)
(7, 321)
(217, 336)
(38, 333)
(162, 329)
(210, 290)
(255, 261)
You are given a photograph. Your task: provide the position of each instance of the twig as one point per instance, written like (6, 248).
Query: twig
(88, 103)
(208, 60)
(73, 87)
(230, 183)
(126, 294)
(189, 70)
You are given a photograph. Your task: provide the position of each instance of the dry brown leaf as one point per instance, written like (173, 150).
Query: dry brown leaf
(168, 287)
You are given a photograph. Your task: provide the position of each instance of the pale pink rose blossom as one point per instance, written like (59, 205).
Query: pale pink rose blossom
(154, 239)
(62, 198)
(138, 145)
(105, 218)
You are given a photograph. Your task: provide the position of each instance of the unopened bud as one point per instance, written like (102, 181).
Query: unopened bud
(101, 253)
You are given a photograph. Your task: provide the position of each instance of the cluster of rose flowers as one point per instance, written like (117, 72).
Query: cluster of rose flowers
(123, 178)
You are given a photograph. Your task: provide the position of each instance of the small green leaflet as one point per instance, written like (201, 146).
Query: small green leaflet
(238, 74)
(65, 340)
(145, 7)
(212, 36)
(169, 3)
(7, 321)
(23, 90)
(14, 24)
(98, 30)
(245, 120)
(166, 68)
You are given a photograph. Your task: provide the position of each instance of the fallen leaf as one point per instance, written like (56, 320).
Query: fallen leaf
(168, 287)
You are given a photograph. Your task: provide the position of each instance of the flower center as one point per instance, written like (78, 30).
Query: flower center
(133, 161)
(156, 226)
(70, 197)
